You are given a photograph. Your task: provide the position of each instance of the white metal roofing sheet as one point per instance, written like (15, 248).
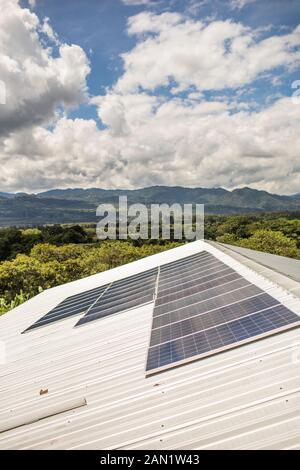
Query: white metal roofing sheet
(248, 397)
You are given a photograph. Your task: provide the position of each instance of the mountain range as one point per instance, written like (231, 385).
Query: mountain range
(79, 205)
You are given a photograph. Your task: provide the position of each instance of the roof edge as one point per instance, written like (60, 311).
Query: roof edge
(282, 280)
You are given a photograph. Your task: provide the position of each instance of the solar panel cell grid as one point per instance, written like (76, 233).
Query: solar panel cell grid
(197, 279)
(136, 278)
(74, 305)
(197, 288)
(122, 296)
(111, 298)
(190, 275)
(112, 301)
(119, 289)
(204, 307)
(98, 313)
(201, 296)
(185, 261)
(195, 265)
(210, 319)
(77, 299)
(220, 337)
(207, 305)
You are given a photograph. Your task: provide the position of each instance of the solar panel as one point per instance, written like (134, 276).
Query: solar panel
(206, 305)
(73, 305)
(190, 275)
(231, 284)
(202, 307)
(194, 267)
(135, 279)
(209, 319)
(194, 281)
(220, 338)
(186, 261)
(184, 290)
(209, 312)
(118, 287)
(123, 295)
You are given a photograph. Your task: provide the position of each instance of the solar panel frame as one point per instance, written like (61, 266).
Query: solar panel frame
(111, 301)
(186, 260)
(201, 279)
(204, 306)
(63, 311)
(190, 347)
(173, 279)
(201, 296)
(208, 319)
(195, 266)
(114, 311)
(197, 288)
(250, 312)
(120, 298)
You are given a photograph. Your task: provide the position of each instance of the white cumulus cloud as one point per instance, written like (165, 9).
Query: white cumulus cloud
(138, 2)
(148, 141)
(147, 138)
(36, 82)
(213, 56)
(240, 3)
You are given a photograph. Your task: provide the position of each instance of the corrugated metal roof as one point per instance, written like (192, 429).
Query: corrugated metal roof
(287, 266)
(248, 397)
(257, 262)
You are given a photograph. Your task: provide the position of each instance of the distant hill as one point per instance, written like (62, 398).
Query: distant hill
(35, 210)
(7, 195)
(78, 205)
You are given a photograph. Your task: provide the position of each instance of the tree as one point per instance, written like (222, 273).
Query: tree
(237, 225)
(272, 242)
(11, 242)
(229, 238)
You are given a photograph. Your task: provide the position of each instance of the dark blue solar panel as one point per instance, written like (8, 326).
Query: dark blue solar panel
(207, 305)
(196, 287)
(189, 275)
(218, 338)
(195, 280)
(73, 305)
(98, 313)
(209, 319)
(123, 295)
(205, 308)
(186, 261)
(193, 270)
(232, 284)
(135, 280)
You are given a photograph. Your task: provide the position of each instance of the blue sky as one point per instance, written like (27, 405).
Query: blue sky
(99, 27)
(131, 93)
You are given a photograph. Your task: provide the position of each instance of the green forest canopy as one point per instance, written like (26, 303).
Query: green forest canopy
(35, 259)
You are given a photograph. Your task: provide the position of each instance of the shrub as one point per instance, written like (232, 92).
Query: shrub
(49, 265)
